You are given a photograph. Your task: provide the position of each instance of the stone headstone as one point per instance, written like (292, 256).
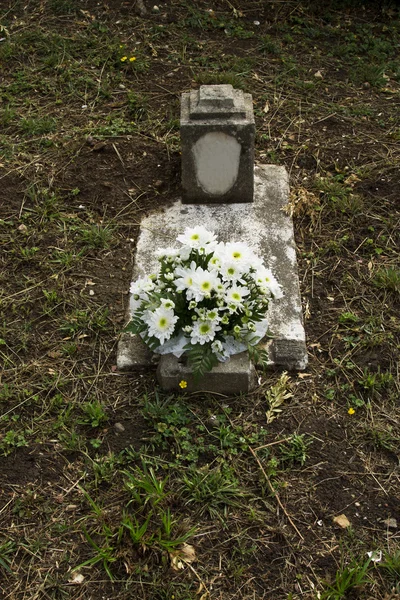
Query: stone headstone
(217, 137)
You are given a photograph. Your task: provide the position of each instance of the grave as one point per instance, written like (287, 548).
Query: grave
(238, 202)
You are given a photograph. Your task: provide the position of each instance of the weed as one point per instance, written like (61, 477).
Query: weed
(65, 258)
(387, 278)
(137, 106)
(381, 438)
(80, 321)
(368, 73)
(104, 554)
(391, 568)
(96, 236)
(105, 467)
(144, 486)
(211, 490)
(38, 126)
(373, 382)
(206, 78)
(348, 318)
(11, 440)
(94, 414)
(276, 396)
(171, 534)
(7, 549)
(136, 531)
(269, 46)
(347, 579)
(295, 450)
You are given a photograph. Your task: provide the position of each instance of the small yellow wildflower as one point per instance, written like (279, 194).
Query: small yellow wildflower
(183, 384)
(132, 59)
(351, 411)
(124, 58)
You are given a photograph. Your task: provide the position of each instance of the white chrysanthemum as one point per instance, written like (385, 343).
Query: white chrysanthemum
(239, 254)
(196, 237)
(219, 351)
(167, 303)
(231, 271)
(235, 295)
(170, 254)
(267, 282)
(161, 323)
(204, 282)
(203, 331)
(217, 257)
(184, 278)
(141, 286)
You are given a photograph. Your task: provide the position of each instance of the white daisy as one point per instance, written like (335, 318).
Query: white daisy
(141, 286)
(231, 271)
(239, 254)
(204, 282)
(235, 295)
(184, 278)
(196, 237)
(203, 331)
(161, 323)
(267, 282)
(169, 254)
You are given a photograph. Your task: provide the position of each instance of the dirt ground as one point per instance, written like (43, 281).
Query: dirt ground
(89, 148)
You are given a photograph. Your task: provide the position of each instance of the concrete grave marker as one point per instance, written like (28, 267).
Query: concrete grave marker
(223, 192)
(217, 133)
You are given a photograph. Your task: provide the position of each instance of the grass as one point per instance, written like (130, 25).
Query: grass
(110, 486)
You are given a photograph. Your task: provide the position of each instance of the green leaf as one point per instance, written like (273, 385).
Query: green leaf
(201, 359)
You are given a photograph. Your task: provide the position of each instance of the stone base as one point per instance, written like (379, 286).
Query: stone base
(268, 230)
(236, 375)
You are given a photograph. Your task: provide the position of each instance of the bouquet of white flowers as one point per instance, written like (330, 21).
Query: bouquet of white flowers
(208, 300)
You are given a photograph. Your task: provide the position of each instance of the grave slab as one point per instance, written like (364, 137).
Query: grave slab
(265, 227)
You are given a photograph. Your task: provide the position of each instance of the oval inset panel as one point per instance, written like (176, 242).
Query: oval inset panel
(216, 158)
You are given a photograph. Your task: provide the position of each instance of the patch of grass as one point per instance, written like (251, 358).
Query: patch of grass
(216, 78)
(96, 236)
(38, 125)
(368, 73)
(348, 578)
(211, 490)
(391, 568)
(93, 414)
(387, 278)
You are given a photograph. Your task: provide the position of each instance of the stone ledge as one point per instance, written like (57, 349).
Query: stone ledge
(236, 375)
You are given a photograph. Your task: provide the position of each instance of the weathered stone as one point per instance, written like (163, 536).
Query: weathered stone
(217, 138)
(133, 353)
(267, 229)
(236, 375)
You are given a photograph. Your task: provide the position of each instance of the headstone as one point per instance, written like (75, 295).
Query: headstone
(217, 136)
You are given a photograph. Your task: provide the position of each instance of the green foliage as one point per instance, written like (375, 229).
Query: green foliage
(97, 236)
(390, 566)
(368, 73)
(387, 278)
(295, 450)
(347, 579)
(38, 125)
(11, 440)
(7, 550)
(145, 487)
(94, 414)
(201, 359)
(211, 490)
